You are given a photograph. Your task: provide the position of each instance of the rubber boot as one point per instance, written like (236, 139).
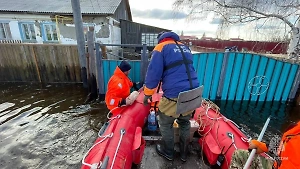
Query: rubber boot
(183, 146)
(166, 149)
(168, 154)
(184, 136)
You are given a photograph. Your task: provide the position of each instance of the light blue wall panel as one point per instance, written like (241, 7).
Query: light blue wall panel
(274, 80)
(268, 76)
(201, 68)
(251, 74)
(209, 73)
(216, 76)
(196, 60)
(235, 76)
(260, 79)
(289, 82)
(241, 69)
(242, 87)
(282, 81)
(228, 74)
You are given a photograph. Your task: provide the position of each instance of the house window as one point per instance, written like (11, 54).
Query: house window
(5, 31)
(27, 32)
(50, 32)
(149, 38)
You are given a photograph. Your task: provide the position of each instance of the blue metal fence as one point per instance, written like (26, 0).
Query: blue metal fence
(234, 76)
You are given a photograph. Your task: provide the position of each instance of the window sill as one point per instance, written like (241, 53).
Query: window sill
(49, 42)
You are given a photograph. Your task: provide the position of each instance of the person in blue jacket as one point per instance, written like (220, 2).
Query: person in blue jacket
(167, 66)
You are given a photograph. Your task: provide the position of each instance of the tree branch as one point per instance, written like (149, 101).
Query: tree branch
(255, 11)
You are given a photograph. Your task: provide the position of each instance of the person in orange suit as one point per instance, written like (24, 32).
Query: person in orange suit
(287, 157)
(118, 88)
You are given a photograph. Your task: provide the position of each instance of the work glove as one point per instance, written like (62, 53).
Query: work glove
(259, 146)
(146, 99)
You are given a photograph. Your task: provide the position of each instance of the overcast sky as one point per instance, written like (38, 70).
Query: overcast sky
(159, 13)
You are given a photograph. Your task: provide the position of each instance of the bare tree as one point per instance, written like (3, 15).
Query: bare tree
(245, 11)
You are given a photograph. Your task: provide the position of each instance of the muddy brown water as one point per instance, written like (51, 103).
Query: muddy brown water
(51, 127)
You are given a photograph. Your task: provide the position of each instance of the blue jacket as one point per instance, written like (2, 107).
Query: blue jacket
(175, 79)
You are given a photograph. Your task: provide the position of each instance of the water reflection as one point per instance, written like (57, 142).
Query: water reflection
(46, 127)
(50, 127)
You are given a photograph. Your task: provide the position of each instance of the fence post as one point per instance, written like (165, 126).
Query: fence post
(144, 64)
(80, 39)
(92, 82)
(100, 77)
(36, 64)
(222, 76)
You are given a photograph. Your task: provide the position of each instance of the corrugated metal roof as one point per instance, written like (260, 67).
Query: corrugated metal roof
(59, 6)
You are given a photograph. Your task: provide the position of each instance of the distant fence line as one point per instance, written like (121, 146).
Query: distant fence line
(39, 63)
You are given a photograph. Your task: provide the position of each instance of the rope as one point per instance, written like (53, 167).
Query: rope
(122, 133)
(94, 166)
(110, 112)
(97, 165)
(203, 124)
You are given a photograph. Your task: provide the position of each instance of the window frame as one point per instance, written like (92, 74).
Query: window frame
(8, 35)
(22, 32)
(44, 32)
(149, 38)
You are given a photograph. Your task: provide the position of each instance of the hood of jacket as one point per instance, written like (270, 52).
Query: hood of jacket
(171, 35)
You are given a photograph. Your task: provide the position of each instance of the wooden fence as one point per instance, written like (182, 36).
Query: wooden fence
(44, 63)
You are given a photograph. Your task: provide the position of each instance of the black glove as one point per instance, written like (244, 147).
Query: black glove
(135, 86)
(122, 102)
(146, 99)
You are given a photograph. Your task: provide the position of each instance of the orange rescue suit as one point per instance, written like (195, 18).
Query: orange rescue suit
(118, 88)
(289, 149)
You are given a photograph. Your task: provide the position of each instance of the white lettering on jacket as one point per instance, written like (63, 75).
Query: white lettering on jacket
(184, 49)
(112, 102)
(120, 85)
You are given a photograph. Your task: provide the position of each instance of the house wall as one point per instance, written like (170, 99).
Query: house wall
(121, 12)
(107, 29)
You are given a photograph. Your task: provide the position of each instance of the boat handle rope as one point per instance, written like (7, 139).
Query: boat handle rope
(232, 139)
(110, 112)
(95, 165)
(122, 134)
(244, 139)
(116, 117)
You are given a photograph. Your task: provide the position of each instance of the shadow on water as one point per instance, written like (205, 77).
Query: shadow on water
(50, 127)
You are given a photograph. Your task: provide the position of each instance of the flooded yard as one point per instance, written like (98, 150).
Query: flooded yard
(51, 127)
(45, 127)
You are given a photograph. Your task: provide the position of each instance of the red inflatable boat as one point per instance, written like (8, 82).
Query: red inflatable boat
(120, 142)
(220, 136)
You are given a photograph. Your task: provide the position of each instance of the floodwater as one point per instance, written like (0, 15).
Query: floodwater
(46, 127)
(50, 127)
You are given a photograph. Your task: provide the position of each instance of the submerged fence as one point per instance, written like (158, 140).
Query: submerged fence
(39, 63)
(225, 76)
(234, 76)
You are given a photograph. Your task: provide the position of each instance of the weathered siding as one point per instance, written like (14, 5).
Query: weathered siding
(131, 32)
(121, 12)
(36, 62)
